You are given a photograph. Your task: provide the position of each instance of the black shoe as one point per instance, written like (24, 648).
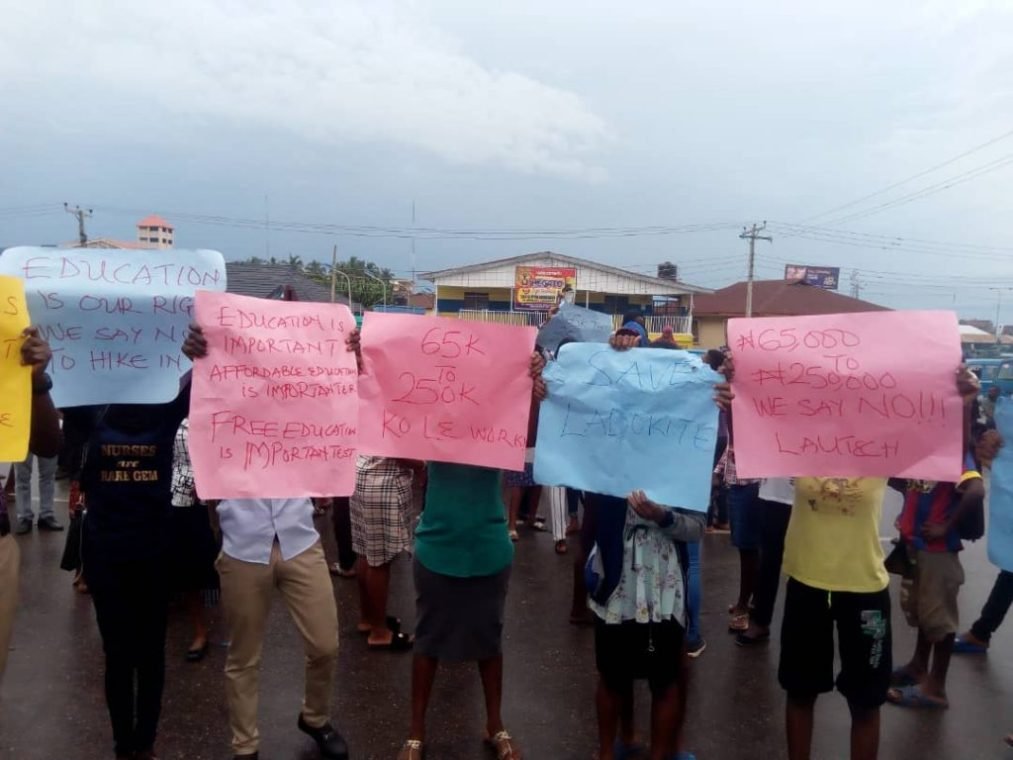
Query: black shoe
(23, 526)
(329, 741)
(49, 523)
(254, 756)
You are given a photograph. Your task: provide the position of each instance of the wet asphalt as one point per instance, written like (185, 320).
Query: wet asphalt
(51, 701)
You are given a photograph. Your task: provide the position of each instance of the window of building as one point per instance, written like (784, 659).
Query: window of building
(476, 301)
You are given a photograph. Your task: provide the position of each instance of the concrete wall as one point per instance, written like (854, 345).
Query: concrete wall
(710, 332)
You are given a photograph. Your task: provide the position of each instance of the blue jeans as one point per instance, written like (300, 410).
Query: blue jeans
(693, 593)
(23, 487)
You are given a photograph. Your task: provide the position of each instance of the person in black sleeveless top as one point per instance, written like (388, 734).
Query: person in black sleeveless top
(127, 486)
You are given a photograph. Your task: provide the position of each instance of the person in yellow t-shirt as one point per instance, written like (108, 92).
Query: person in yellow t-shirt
(834, 562)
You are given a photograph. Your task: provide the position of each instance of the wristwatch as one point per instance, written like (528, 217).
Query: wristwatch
(41, 384)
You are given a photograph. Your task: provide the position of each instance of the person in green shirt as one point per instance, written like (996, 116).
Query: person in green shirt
(463, 555)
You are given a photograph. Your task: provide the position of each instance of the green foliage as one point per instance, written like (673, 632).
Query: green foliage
(365, 290)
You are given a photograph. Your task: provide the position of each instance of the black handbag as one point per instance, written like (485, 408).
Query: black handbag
(72, 549)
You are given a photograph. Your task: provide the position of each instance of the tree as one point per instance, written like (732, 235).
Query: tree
(365, 290)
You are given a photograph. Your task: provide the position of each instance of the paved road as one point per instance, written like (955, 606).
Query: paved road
(51, 703)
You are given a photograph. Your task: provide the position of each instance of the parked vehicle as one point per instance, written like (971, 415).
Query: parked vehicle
(989, 370)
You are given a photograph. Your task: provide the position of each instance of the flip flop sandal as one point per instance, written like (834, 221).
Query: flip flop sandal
(738, 623)
(912, 696)
(900, 678)
(393, 625)
(502, 744)
(399, 642)
(963, 646)
(412, 750)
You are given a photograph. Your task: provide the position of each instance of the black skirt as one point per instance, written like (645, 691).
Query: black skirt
(459, 619)
(193, 550)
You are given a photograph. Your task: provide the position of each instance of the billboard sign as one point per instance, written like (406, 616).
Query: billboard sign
(538, 288)
(827, 278)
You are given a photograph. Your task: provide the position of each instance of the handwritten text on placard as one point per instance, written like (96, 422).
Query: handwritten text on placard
(15, 380)
(274, 406)
(615, 422)
(115, 319)
(445, 390)
(869, 394)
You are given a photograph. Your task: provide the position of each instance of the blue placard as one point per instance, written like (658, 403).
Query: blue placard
(617, 421)
(575, 323)
(1000, 499)
(115, 319)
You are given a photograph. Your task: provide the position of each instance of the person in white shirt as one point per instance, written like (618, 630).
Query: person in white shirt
(270, 544)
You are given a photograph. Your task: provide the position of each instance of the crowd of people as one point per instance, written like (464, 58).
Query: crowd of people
(636, 580)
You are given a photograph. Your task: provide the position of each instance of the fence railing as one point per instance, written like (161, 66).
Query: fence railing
(654, 323)
(522, 318)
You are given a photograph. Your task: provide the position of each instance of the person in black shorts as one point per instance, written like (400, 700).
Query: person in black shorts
(834, 563)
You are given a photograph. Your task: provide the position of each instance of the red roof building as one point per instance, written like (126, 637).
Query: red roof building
(771, 298)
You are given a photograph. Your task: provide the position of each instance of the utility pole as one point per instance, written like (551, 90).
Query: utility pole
(856, 284)
(998, 306)
(752, 235)
(334, 277)
(80, 214)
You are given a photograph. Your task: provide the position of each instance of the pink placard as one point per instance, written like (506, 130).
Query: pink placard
(847, 395)
(274, 405)
(445, 390)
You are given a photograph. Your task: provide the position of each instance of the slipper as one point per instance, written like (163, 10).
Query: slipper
(901, 677)
(399, 642)
(963, 646)
(738, 623)
(912, 696)
(628, 751)
(502, 745)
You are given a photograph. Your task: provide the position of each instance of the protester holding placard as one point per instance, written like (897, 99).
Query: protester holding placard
(463, 556)
(44, 440)
(836, 575)
(268, 544)
(127, 486)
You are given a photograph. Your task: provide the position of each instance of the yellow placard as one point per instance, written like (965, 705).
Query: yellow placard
(15, 379)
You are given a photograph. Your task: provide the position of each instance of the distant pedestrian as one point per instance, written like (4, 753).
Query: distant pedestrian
(47, 494)
(463, 558)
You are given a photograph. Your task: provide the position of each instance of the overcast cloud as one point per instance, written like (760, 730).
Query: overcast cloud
(526, 115)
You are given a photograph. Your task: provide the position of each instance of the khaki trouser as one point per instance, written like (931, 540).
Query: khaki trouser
(247, 589)
(10, 560)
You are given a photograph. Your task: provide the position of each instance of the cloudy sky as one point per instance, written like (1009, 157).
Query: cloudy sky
(630, 133)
